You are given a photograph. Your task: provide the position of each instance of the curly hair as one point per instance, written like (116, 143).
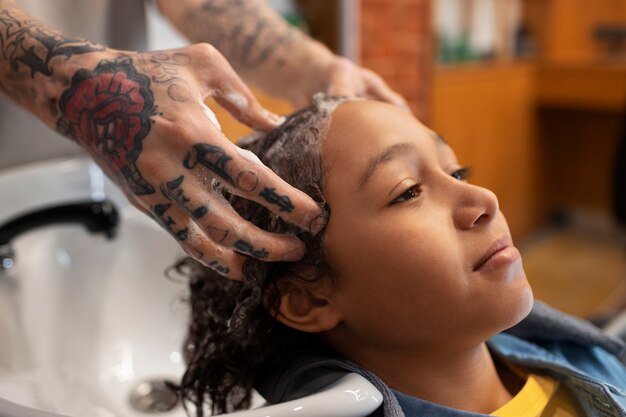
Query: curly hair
(232, 332)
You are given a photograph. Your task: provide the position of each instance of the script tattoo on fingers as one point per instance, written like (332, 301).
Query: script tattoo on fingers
(219, 268)
(282, 201)
(210, 156)
(247, 249)
(173, 190)
(30, 45)
(164, 70)
(160, 215)
(109, 110)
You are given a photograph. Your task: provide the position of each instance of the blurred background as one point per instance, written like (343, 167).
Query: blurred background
(532, 95)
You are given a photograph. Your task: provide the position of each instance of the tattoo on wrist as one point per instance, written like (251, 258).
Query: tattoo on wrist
(210, 156)
(173, 190)
(282, 201)
(247, 249)
(30, 45)
(109, 110)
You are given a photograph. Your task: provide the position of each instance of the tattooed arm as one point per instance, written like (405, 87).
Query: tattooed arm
(143, 119)
(266, 52)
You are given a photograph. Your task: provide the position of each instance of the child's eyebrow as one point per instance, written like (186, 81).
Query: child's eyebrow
(388, 154)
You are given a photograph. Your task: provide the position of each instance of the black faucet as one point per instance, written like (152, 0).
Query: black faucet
(97, 217)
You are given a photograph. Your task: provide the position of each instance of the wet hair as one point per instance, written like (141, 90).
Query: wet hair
(232, 331)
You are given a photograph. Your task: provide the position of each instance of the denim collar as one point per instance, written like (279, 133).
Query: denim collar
(285, 377)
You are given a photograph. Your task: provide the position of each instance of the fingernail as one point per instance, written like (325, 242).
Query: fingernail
(317, 224)
(275, 118)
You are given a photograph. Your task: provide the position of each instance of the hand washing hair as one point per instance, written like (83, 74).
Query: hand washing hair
(232, 329)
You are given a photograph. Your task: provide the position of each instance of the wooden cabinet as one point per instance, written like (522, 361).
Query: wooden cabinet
(543, 132)
(486, 114)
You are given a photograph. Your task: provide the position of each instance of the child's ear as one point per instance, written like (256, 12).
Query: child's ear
(308, 307)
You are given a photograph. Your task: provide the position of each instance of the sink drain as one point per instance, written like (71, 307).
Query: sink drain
(153, 396)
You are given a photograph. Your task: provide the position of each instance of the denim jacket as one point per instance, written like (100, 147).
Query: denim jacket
(569, 349)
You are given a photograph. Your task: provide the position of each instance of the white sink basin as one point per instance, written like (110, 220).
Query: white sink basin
(84, 319)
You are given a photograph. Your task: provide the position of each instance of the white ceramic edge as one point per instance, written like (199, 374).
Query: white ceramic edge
(350, 396)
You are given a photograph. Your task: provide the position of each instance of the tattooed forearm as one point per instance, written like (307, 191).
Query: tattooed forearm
(258, 43)
(173, 190)
(30, 54)
(247, 32)
(109, 111)
(242, 30)
(28, 45)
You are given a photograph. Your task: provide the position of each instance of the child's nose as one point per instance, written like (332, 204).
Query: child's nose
(477, 206)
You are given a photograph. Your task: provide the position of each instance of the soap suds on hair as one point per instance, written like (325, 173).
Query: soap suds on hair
(316, 125)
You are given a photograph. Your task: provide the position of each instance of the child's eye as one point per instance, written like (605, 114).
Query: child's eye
(462, 174)
(411, 193)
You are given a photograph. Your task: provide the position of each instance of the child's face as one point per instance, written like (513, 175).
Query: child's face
(406, 256)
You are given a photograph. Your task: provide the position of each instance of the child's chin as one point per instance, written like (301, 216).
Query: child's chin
(523, 306)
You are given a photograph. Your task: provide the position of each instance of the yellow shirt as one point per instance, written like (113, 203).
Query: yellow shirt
(541, 396)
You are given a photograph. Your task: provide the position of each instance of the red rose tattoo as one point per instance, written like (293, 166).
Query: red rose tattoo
(109, 111)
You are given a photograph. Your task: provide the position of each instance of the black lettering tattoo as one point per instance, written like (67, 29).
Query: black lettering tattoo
(109, 110)
(282, 201)
(160, 215)
(210, 156)
(164, 70)
(172, 190)
(219, 268)
(247, 249)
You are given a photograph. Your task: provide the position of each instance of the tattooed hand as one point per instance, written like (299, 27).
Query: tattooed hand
(342, 77)
(143, 118)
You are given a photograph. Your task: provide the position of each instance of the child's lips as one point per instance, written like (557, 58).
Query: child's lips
(500, 248)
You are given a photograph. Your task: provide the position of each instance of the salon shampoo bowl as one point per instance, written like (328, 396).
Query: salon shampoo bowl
(86, 322)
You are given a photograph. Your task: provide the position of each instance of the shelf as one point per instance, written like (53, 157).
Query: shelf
(585, 86)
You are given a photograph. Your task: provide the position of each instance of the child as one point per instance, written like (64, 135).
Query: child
(411, 283)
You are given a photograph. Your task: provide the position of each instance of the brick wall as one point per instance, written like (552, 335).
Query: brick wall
(396, 43)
